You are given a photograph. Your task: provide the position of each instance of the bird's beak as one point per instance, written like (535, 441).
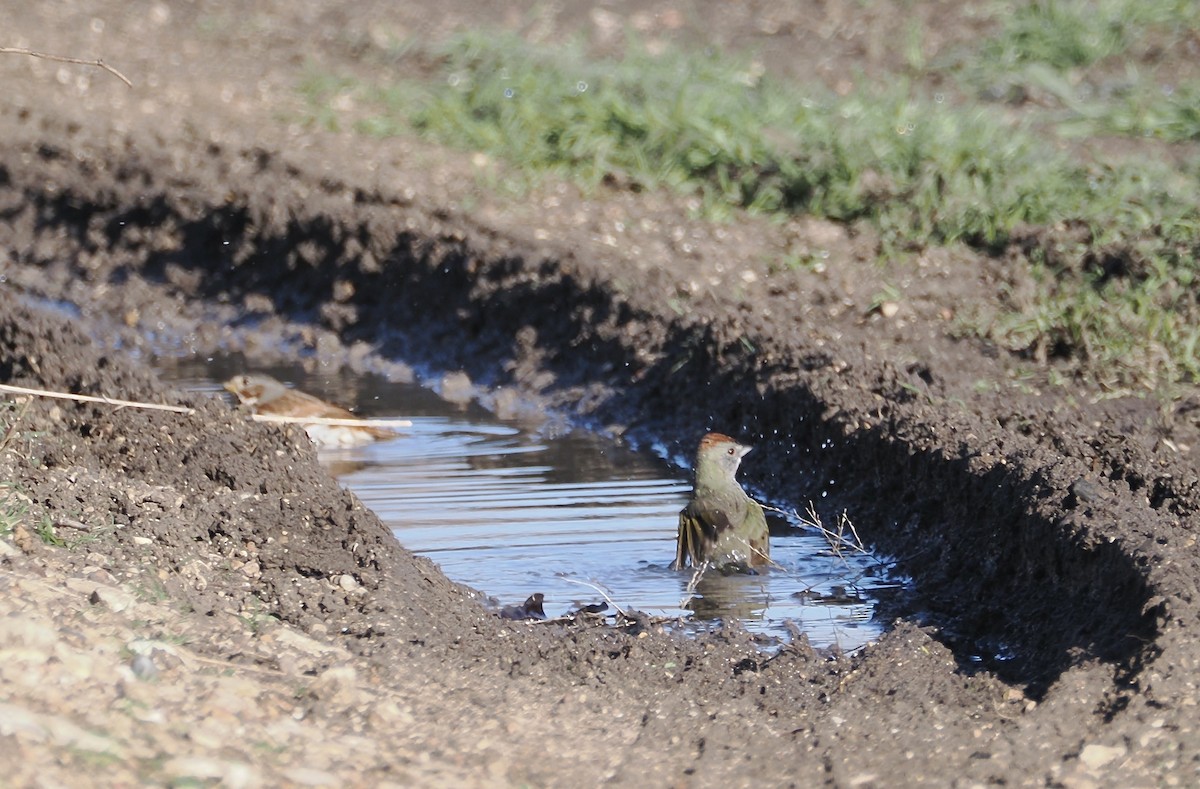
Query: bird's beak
(743, 450)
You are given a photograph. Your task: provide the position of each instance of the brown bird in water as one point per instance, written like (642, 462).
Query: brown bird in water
(271, 398)
(721, 525)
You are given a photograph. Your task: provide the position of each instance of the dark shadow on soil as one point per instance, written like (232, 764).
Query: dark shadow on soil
(1009, 576)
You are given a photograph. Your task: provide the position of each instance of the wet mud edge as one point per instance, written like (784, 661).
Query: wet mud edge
(1023, 538)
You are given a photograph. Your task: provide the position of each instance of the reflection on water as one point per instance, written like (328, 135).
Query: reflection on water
(512, 513)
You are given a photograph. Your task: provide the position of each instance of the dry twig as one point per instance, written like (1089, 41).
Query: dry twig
(838, 540)
(64, 59)
(599, 589)
(306, 420)
(90, 399)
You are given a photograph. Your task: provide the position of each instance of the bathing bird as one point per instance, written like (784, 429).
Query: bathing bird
(269, 397)
(721, 525)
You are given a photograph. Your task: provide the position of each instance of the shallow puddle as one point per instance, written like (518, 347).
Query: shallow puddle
(510, 512)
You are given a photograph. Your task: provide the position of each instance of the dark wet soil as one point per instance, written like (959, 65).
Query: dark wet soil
(1051, 635)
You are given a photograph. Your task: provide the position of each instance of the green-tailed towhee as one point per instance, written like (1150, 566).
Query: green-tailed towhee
(721, 525)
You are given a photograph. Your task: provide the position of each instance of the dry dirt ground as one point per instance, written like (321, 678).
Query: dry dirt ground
(190, 599)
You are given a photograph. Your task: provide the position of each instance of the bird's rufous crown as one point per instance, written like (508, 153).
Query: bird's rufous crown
(711, 440)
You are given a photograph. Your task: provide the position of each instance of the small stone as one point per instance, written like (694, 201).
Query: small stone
(1096, 756)
(168, 660)
(112, 598)
(143, 667)
(23, 538)
(348, 583)
(98, 575)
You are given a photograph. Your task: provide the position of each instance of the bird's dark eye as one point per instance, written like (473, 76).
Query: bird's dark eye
(731, 450)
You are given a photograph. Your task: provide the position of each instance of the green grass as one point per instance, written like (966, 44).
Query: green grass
(1095, 59)
(14, 506)
(1066, 34)
(1170, 113)
(923, 169)
(13, 510)
(151, 590)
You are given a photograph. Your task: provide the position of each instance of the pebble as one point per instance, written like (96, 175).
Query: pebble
(112, 598)
(143, 667)
(1096, 756)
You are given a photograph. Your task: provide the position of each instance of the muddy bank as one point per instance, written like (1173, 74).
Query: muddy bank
(988, 523)
(1047, 580)
(1050, 637)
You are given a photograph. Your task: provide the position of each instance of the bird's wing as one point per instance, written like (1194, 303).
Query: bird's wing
(757, 535)
(712, 518)
(297, 404)
(699, 525)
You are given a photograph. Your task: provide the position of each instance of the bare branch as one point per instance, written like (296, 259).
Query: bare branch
(90, 399)
(63, 59)
(599, 589)
(844, 538)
